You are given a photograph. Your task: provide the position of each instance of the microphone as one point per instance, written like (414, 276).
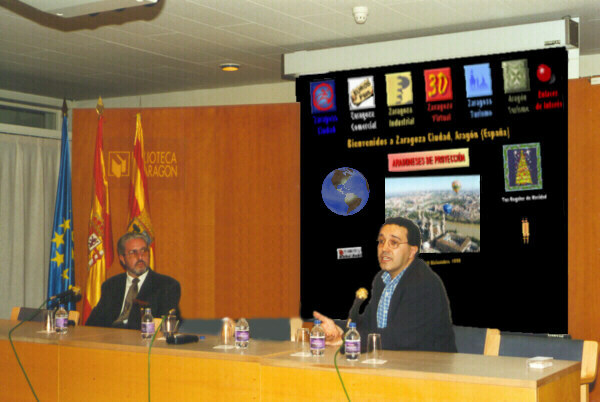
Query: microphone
(360, 297)
(181, 339)
(74, 291)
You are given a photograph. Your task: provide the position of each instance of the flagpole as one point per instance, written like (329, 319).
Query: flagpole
(100, 241)
(61, 276)
(139, 213)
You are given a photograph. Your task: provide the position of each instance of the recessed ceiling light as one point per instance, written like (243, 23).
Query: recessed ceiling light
(229, 66)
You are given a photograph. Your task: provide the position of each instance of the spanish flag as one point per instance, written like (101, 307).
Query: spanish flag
(139, 214)
(100, 241)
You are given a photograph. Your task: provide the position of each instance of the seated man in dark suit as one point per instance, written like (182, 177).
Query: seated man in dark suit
(409, 306)
(123, 295)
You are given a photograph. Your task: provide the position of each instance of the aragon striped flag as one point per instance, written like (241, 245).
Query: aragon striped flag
(139, 214)
(100, 240)
(61, 275)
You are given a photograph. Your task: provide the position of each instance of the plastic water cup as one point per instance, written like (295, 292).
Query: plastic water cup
(48, 321)
(374, 350)
(228, 332)
(303, 341)
(169, 326)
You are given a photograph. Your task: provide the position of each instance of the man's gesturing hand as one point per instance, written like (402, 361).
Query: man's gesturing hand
(333, 333)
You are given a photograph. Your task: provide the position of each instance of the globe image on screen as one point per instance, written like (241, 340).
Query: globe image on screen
(345, 191)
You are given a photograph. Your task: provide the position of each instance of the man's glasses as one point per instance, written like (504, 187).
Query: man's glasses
(137, 253)
(393, 243)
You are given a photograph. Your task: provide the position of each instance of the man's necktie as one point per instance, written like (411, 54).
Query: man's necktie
(131, 296)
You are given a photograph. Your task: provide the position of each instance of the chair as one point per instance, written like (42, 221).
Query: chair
(585, 352)
(273, 329)
(295, 324)
(474, 340)
(23, 313)
(201, 326)
(542, 334)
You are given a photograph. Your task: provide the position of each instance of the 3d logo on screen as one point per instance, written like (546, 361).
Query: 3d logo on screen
(438, 94)
(323, 96)
(438, 84)
(345, 191)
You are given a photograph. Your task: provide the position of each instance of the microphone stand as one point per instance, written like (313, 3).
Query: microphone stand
(35, 313)
(53, 303)
(15, 351)
(338, 370)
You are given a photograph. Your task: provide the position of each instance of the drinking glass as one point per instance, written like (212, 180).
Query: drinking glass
(48, 321)
(374, 351)
(169, 326)
(303, 341)
(227, 332)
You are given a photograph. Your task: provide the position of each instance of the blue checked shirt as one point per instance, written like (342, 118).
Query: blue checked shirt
(386, 297)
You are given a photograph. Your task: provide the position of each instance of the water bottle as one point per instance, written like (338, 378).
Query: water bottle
(242, 333)
(317, 339)
(352, 343)
(61, 319)
(147, 324)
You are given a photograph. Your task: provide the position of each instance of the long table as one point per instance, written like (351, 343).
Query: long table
(112, 364)
(419, 376)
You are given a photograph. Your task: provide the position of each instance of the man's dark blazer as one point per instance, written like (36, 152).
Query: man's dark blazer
(159, 292)
(418, 316)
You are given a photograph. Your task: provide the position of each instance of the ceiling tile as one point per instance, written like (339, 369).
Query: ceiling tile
(181, 45)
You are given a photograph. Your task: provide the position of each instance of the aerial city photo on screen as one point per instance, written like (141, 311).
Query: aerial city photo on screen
(447, 209)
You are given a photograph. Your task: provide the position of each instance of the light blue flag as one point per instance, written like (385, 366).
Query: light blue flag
(62, 267)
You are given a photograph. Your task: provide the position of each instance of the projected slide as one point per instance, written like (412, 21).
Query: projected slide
(446, 208)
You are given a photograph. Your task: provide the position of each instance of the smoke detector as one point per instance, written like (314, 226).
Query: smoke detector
(360, 14)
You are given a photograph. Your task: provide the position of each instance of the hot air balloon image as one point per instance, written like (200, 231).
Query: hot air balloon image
(447, 208)
(456, 186)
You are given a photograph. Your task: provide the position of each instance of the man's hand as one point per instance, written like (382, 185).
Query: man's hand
(333, 333)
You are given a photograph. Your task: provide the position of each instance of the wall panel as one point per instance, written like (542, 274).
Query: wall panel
(227, 227)
(258, 208)
(584, 212)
